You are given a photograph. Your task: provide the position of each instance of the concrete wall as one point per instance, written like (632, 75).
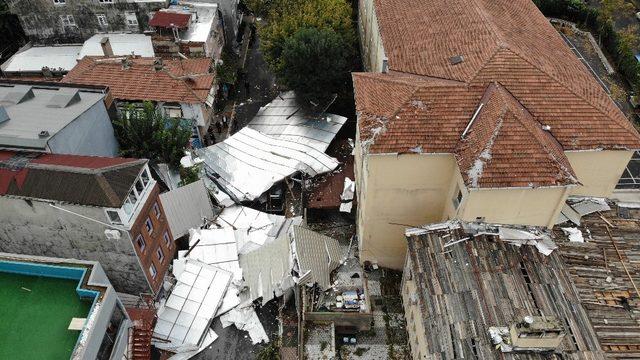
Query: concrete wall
(35, 228)
(370, 39)
(397, 191)
(40, 19)
(90, 134)
(598, 171)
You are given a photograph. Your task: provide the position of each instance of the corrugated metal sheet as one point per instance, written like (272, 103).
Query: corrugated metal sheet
(249, 163)
(283, 118)
(186, 207)
(317, 253)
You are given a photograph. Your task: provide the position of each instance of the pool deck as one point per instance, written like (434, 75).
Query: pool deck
(35, 313)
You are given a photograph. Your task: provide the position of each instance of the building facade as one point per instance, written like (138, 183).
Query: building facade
(56, 118)
(479, 128)
(73, 21)
(89, 208)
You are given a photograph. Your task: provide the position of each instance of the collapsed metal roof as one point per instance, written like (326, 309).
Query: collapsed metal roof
(249, 163)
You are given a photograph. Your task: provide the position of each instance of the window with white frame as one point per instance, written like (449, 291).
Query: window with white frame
(67, 20)
(145, 177)
(160, 255)
(156, 210)
(167, 239)
(173, 111)
(131, 18)
(149, 225)
(114, 217)
(153, 271)
(141, 243)
(102, 19)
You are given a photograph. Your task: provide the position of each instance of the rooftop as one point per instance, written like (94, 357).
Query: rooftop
(171, 18)
(121, 44)
(86, 180)
(471, 277)
(598, 268)
(428, 98)
(136, 78)
(33, 59)
(32, 109)
(38, 303)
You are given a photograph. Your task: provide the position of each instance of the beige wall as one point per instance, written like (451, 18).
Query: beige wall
(598, 171)
(396, 191)
(524, 206)
(370, 39)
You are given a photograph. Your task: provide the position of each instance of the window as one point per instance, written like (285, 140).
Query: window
(131, 18)
(67, 20)
(160, 255)
(156, 210)
(59, 2)
(167, 239)
(141, 243)
(149, 225)
(630, 178)
(153, 271)
(145, 177)
(173, 111)
(102, 19)
(139, 186)
(457, 200)
(105, 1)
(114, 217)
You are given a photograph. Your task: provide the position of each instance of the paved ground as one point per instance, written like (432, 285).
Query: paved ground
(261, 86)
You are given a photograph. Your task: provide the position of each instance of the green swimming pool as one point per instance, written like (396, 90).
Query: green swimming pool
(35, 312)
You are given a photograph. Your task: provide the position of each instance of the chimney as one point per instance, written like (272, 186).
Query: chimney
(157, 64)
(106, 46)
(385, 65)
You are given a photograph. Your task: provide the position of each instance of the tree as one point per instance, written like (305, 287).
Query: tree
(287, 17)
(315, 64)
(147, 133)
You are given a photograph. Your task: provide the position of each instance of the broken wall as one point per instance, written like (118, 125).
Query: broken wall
(35, 228)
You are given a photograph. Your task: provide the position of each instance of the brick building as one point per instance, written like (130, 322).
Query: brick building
(88, 208)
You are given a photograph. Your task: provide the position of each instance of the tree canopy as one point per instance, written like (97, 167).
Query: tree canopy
(147, 133)
(315, 63)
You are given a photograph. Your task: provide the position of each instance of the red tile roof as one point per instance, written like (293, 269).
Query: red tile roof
(85, 180)
(186, 81)
(506, 147)
(167, 19)
(426, 101)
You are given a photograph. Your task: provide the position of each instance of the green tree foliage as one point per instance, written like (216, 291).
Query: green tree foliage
(11, 34)
(147, 133)
(288, 23)
(258, 7)
(315, 63)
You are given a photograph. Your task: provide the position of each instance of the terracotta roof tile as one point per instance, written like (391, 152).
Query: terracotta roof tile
(506, 147)
(425, 101)
(179, 81)
(168, 18)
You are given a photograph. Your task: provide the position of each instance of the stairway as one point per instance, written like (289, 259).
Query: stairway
(140, 333)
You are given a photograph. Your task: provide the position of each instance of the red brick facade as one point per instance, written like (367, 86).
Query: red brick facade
(153, 241)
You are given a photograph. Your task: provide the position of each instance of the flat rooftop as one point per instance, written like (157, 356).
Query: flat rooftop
(36, 312)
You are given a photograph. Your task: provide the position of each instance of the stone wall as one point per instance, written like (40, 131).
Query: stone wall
(35, 228)
(41, 21)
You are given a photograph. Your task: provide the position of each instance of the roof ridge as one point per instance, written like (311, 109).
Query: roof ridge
(106, 187)
(588, 102)
(522, 110)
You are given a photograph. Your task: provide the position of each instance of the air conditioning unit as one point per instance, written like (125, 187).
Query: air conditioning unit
(112, 234)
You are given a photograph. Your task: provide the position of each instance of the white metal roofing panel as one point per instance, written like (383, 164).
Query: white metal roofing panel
(184, 320)
(121, 44)
(250, 163)
(35, 58)
(186, 207)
